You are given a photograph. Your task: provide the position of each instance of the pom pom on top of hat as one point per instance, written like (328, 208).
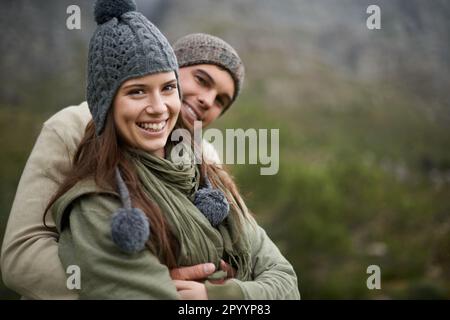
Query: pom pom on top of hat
(212, 203)
(105, 10)
(130, 228)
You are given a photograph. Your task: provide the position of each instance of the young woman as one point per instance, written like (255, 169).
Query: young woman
(133, 113)
(211, 72)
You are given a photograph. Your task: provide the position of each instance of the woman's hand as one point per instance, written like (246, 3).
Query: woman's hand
(191, 290)
(189, 280)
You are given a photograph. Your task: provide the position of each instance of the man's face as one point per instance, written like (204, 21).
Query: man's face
(207, 91)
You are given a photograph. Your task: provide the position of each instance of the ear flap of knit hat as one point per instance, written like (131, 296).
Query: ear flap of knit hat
(130, 227)
(212, 203)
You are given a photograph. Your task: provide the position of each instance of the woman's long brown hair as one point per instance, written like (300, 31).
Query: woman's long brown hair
(98, 156)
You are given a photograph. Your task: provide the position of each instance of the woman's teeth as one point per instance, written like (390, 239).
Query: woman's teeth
(152, 126)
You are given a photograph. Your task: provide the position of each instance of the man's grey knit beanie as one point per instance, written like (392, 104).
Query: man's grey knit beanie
(201, 48)
(124, 46)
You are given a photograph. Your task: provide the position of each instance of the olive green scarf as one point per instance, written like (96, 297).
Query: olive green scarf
(172, 186)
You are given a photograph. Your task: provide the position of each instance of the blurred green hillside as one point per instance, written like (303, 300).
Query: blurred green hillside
(363, 181)
(364, 120)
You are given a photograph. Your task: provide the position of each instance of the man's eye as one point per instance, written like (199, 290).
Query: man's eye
(201, 80)
(220, 102)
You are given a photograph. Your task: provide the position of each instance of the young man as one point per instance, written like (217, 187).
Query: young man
(211, 76)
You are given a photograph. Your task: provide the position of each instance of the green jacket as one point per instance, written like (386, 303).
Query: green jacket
(29, 261)
(83, 216)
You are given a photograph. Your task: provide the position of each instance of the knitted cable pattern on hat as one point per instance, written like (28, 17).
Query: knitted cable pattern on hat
(124, 47)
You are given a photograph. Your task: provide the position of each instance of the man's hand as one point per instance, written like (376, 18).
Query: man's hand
(191, 290)
(198, 272)
(231, 272)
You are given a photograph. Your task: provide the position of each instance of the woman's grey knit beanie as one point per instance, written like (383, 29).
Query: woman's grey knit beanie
(124, 46)
(201, 48)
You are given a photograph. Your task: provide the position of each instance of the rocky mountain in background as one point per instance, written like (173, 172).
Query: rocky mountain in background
(285, 44)
(290, 38)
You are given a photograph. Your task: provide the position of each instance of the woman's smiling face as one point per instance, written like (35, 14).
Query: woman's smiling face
(145, 111)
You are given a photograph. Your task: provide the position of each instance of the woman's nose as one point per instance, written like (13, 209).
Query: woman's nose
(155, 104)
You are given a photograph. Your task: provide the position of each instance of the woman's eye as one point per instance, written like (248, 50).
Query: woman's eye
(170, 87)
(136, 92)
